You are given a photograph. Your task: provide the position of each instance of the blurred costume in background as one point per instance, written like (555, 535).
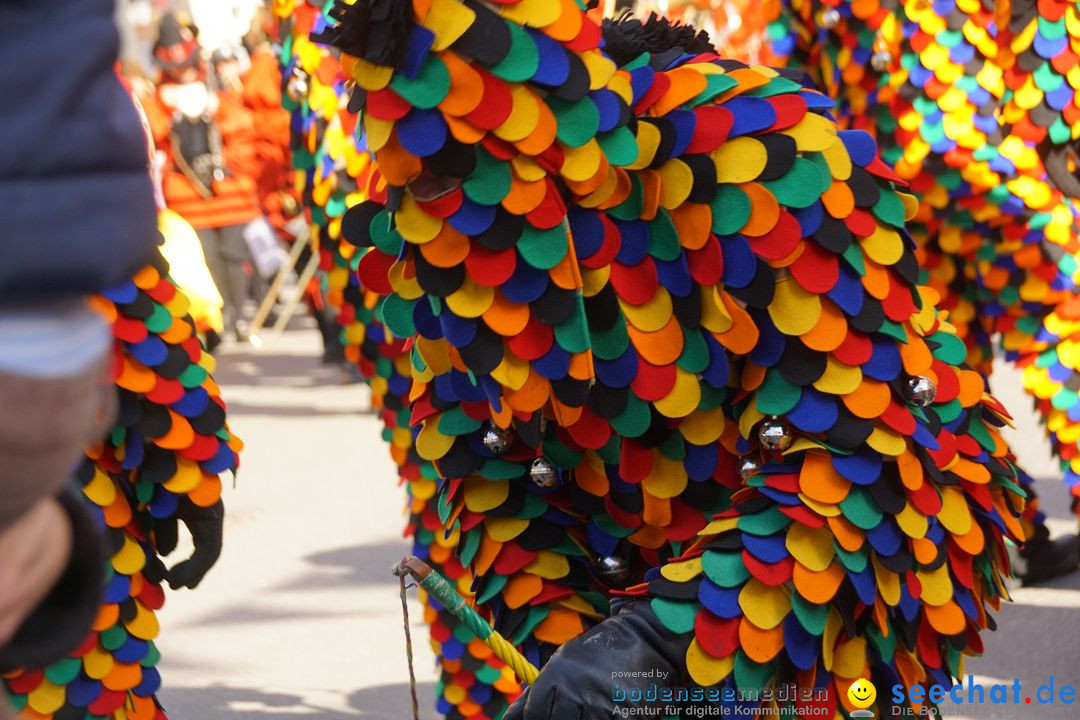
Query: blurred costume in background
(328, 167)
(976, 107)
(76, 217)
(333, 172)
(261, 92)
(738, 27)
(667, 342)
(188, 269)
(158, 465)
(207, 137)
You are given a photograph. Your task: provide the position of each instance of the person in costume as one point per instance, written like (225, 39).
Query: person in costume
(158, 467)
(334, 172)
(207, 138)
(77, 216)
(667, 343)
(974, 106)
(311, 97)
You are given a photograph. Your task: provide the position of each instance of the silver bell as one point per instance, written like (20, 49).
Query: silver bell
(921, 391)
(614, 570)
(498, 440)
(774, 434)
(749, 467)
(830, 18)
(881, 60)
(297, 87)
(543, 473)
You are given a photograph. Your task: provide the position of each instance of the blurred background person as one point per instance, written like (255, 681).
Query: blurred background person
(207, 137)
(262, 93)
(253, 85)
(180, 245)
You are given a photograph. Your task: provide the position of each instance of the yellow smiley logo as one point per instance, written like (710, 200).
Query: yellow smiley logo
(862, 693)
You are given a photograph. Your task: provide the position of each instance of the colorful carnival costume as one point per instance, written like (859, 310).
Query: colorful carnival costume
(333, 173)
(969, 103)
(160, 463)
(666, 339)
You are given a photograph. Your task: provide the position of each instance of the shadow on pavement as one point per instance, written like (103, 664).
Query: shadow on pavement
(391, 702)
(1054, 498)
(1046, 631)
(250, 615)
(246, 365)
(357, 565)
(228, 703)
(242, 408)
(384, 702)
(349, 567)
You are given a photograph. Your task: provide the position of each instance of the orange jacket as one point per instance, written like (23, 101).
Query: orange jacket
(234, 199)
(262, 97)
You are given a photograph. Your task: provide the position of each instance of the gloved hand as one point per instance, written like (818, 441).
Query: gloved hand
(583, 678)
(205, 525)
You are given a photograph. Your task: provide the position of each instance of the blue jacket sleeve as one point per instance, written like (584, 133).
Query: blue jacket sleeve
(77, 212)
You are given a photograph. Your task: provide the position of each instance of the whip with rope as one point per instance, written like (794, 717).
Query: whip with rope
(452, 600)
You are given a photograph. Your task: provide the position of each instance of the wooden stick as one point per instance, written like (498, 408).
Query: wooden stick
(301, 288)
(276, 286)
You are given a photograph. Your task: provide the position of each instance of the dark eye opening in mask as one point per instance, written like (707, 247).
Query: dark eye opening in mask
(444, 171)
(454, 159)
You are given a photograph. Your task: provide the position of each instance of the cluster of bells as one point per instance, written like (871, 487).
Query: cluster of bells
(612, 569)
(830, 18)
(775, 434)
(542, 473)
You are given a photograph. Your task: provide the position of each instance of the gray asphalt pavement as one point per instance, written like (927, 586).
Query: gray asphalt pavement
(301, 618)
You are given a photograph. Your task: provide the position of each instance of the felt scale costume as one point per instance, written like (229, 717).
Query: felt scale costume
(975, 106)
(161, 462)
(333, 172)
(666, 340)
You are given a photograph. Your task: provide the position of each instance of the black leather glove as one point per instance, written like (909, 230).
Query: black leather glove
(205, 525)
(584, 676)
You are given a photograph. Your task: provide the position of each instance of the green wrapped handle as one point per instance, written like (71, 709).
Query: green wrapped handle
(450, 598)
